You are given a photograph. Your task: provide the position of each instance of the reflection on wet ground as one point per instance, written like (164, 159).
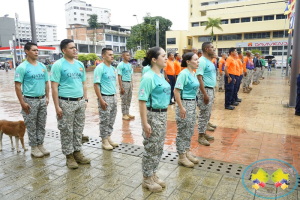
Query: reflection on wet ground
(260, 127)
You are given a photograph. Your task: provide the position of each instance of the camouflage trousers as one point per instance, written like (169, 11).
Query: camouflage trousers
(126, 97)
(154, 145)
(256, 74)
(261, 72)
(204, 110)
(71, 125)
(185, 127)
(35, 121)
(221, 80)
(247, 79)
(108, 116)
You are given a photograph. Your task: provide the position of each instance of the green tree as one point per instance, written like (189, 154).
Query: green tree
(91, 56)
(140, 54)
(93, 23)
(146, 33)
(82, 57)
(213, 23)
(254, 51)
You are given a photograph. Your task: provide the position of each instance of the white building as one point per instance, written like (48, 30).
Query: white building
(44, 32)
(78, 12)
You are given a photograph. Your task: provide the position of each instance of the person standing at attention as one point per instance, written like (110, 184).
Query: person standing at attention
(154, 97)
(185, 92)
(125, 72)
(206, 75)
(68, 83)
(221, 69)
(177, 65)
(105, 89)
(169, 72)
(32, 89)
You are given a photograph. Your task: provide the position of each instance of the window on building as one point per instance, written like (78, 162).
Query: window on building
(203, 23)
(203, 13)
(82, 20)
(247, 19)
(108, 46)
(234, 21)
(205, 38)
(75, 19)
(204, 4)
(75, 7)
(191, 13)
(256, 35)
(81, 14)
(108, 37)
(269, 17)
(122, 49)
(189, 42)
(89, 9)
(115, 38)
(222, 50)
(195, 24)
(116, 49)
(74, 13)
(191, 5)
(230, 37)
(82, 8)
(171, 40)
(224, 21)
(279, 34)
(264, 50)
(280, 16)
(256, 19)
(122, 39)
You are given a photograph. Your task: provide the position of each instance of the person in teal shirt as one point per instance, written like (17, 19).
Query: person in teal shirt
(146, 69)
(206, 74)
(126, 84)
(185, 92)
(263, 65)
(105, 89)
(154, 98)
(32, 89)
(68, 83)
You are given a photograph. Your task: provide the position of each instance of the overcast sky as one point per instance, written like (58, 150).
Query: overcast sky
(52, 11)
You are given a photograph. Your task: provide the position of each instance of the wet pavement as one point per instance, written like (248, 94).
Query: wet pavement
(260, 127)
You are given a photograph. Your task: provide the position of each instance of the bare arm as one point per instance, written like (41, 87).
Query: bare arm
(47, 92)
(120, 84)
(143, 114)
(227, 74)
(18, 90)
(85, 92)
(54, 87)
(98, 94)
(202, 89)
(179, 103)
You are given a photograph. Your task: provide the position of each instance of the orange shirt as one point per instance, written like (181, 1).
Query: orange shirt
(170, 68)
(231, 65)
(240, 64)
(177, 67)
(245, 63)
(221, 64)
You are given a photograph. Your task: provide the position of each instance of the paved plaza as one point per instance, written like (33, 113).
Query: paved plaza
(261, 127)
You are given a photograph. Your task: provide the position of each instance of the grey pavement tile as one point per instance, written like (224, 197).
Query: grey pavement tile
(62, 190)
(128, 161)
(40, 193)
(85, 188)
(240, 197)
(88, 175)
(180, 195)
(189, 184)
(180, 173)
(139, 193)
(291, 196)
(112, 171)
(97, 195)
(202, 193)
(114, 182)
(135, 180)
(132, 169)
(72, 196)
(120, 193)
(222, 193)
(155, 196)
(171, 185)
(211, 180)
(198, 173)
(40, 182)
(241, 190)
(16, 194)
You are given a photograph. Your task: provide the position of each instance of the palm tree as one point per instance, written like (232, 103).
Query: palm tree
(93, 23)
(213, 23)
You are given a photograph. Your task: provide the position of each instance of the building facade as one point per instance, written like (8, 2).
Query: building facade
(7, 29)
(78, 12)
(44, 32)
(246, 24)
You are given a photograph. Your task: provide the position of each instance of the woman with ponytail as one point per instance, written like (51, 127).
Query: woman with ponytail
(146, 66)
(154, 98)
(185, 92)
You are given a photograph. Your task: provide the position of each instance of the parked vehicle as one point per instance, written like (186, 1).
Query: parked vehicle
(279, 63)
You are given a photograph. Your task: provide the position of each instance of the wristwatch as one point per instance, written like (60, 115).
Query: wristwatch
(87, 100)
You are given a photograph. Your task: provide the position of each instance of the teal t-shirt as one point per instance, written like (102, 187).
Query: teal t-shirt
(106, 78)
(145, 69)
(208, 71)
(33, 78)
(188, 84)
(155, 90)
(70, 78)
(263, 62)
(125, 70)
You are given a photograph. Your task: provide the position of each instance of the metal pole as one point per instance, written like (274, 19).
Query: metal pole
(283, 46)
(15, 53)
(32, 21)
(288, 54)
(72, 36)
(18, 36)
(157, 32)
(296, 57)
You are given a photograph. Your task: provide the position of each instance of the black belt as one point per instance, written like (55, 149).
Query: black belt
(157, 110)
(209, 88)
(107, 95)
(189, 99)
(71, 99)
(126, 81)
(41, 97)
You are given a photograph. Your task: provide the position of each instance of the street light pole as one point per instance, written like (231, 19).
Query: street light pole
(140, 31)
(32, 21)
(18, 36)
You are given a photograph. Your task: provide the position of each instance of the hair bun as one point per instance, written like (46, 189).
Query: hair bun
(146, 62)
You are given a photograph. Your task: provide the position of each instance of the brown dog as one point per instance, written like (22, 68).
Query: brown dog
(16, 129)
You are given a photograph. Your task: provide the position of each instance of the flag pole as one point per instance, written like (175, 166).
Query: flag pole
(283, 47)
